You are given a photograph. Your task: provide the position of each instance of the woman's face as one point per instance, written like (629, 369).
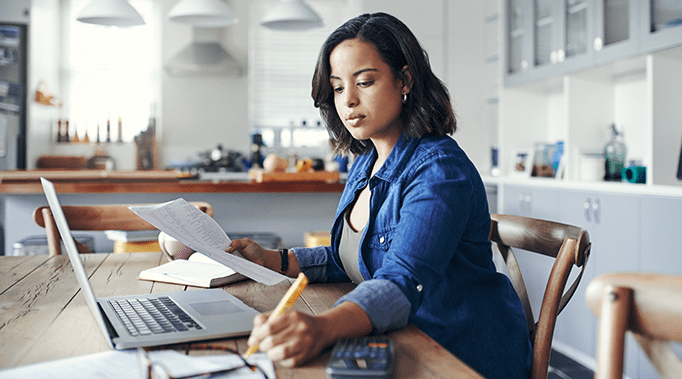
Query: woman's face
(367, 96)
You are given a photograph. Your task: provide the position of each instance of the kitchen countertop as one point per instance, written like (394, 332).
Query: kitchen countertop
(153, 181)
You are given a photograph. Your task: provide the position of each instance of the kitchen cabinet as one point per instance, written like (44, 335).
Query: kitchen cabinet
(572, 68)
(536, 203)
(616, 30)
(530, 202)
(633, 230)
(613, 222)
(661, 25)
(662, 235)
(661, 250)
(640, 95)
(554, 37)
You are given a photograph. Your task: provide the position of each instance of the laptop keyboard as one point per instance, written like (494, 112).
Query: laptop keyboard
(152, 316)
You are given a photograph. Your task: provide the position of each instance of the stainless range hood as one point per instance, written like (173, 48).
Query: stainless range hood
(204, 57)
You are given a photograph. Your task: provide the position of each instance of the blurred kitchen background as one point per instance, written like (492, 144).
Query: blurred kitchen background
(96, 77)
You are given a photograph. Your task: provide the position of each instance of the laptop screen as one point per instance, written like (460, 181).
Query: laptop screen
(72, 251)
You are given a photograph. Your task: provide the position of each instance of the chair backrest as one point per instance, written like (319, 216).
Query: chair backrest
(569, 245)
(95, 217)
(648, 305)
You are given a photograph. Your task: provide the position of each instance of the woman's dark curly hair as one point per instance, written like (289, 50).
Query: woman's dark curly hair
(428, 111)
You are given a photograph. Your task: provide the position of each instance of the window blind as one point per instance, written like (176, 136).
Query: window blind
(281, 69)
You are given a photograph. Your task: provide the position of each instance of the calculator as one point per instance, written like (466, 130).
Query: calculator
(371, 357)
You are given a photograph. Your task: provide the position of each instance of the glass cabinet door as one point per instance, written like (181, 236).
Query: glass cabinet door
(662, 24)
(516, 35)
(545, 33)
(665, 14)
(616, 30)
(616, 22)
(576, 28)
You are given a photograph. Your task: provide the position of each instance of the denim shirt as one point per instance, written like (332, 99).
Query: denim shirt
(426, 257)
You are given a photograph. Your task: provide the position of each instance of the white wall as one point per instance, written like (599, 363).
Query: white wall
(200, 112)
(467, 80)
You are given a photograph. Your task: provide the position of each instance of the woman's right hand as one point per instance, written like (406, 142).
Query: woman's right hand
(249, 250)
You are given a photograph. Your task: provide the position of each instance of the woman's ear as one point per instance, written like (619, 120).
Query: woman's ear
(407, 79)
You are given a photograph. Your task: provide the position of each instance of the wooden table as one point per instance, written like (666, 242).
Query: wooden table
(44, 317)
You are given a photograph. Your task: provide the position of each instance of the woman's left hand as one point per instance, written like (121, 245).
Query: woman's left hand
(292, 338)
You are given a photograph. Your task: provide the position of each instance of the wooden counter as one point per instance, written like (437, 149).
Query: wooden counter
(157, 181)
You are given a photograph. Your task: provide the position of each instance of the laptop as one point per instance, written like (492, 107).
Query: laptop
(159, 318)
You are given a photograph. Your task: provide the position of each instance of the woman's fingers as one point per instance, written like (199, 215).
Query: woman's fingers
(238, 245)
(289, 339)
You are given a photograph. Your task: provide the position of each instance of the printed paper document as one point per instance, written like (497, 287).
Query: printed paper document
(194, 228)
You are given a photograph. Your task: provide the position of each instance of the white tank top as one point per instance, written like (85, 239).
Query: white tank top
(349, 248)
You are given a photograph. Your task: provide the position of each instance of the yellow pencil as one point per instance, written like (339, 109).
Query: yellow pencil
(287, 301)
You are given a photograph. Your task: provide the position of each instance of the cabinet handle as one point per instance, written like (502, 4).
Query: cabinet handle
(588, 207)
(524, 203)
(553, 57)
(524, 65)
(596, 207)
(560, 55)
(598, 44)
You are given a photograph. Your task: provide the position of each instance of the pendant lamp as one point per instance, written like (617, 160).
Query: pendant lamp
(110, 13)
(203, 13)
(292, 15)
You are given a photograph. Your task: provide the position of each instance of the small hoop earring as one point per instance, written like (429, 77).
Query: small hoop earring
(404, 97)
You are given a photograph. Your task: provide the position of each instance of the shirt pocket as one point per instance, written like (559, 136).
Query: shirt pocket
(381, 240)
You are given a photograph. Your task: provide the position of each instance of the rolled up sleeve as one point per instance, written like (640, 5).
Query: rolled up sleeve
(313, 262)
(383, 301)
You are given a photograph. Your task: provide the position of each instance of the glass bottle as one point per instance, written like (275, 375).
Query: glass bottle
(614, 154)
(256, 155)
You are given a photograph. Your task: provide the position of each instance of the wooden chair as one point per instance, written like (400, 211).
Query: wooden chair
(95, 218)
(569, 245)
(649, 306)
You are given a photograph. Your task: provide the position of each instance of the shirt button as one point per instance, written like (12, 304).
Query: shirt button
(381, 239)
(420, 287)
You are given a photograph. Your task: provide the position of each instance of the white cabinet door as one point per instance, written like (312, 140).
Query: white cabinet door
(613, 222)
(661, 250)
(530, 202)
(537, 203)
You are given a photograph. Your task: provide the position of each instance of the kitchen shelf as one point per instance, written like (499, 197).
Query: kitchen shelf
(640, 95)
(622, 82)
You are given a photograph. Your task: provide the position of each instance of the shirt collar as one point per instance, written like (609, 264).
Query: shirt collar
(394, 164)
(397, 159)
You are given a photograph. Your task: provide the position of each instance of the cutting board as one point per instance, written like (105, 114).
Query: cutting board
(259, 176)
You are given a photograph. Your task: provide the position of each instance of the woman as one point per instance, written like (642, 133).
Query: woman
(412, 225)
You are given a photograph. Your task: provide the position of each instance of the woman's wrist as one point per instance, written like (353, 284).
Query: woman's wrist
(346, 320)
(273, 261)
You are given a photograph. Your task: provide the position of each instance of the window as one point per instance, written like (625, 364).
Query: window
(110, 73)
(281, 71)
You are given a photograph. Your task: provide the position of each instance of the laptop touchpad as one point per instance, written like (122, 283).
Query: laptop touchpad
(212, 308)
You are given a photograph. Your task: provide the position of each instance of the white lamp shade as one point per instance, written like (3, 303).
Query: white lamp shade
(204, 13)
(291, 15)
(111, 13)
